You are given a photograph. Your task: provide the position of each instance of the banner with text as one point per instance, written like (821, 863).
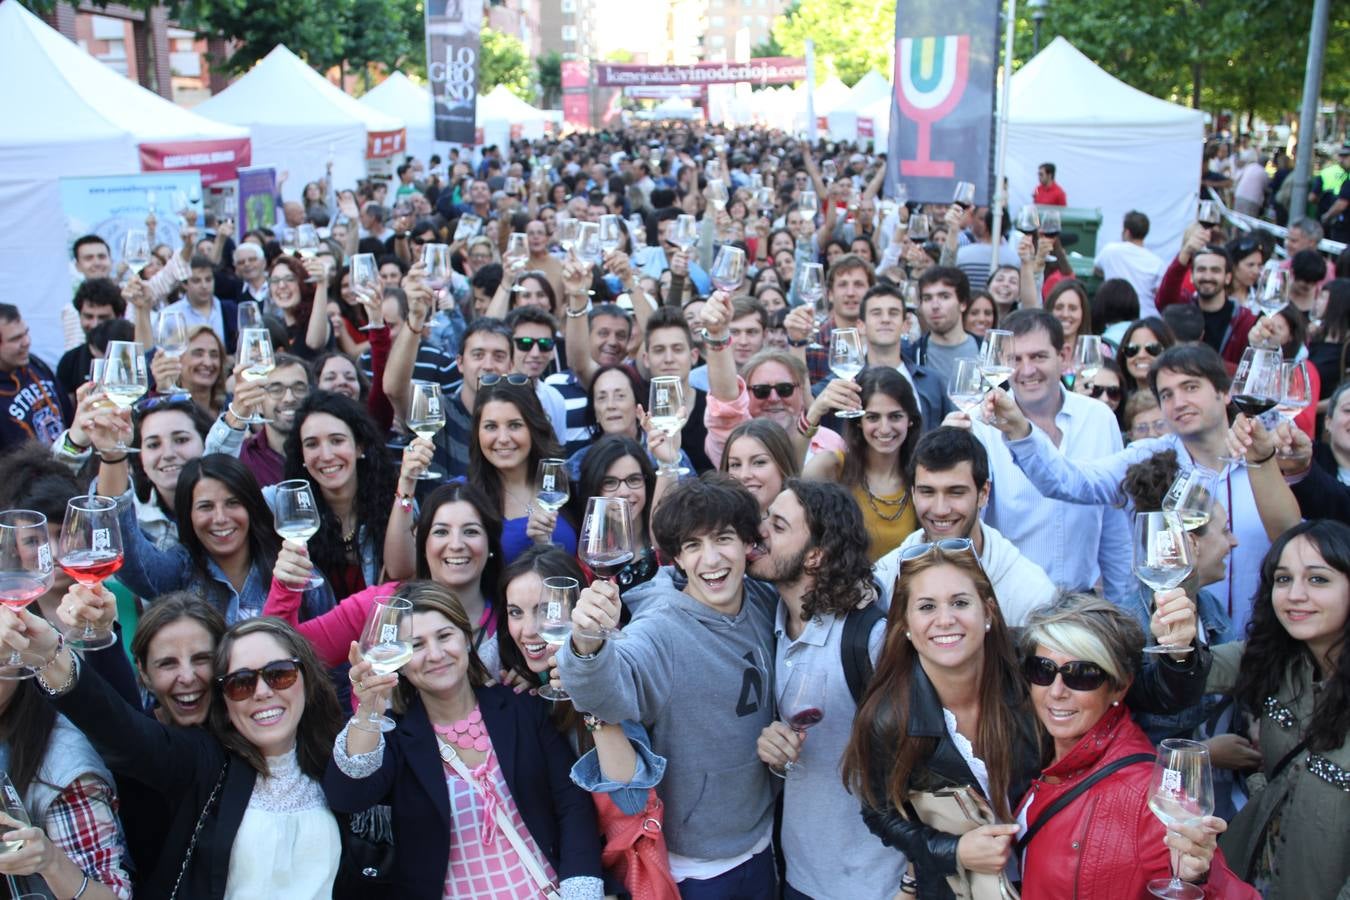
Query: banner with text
(112, 205)
(943, 102)
(452, 66)
(257, 198)
(765, 70)
(576, 93)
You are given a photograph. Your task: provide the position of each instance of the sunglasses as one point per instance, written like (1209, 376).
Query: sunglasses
(1078, 675)
(157, 401)
(1112, 391)
(240, 684)
(488, 378)
(946, 545)
(783, 388)
(523, 344)
(1152, 349)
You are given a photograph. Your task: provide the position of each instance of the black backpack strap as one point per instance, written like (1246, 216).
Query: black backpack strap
(1133, 759)
(1287, 759)
(853, 649)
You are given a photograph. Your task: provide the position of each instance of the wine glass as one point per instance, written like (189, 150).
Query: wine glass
(468, 226)
(426, 416)
(765, 200)
(567, 233)
(1207, 213)
(684, 232)
(124, 379)
(516, 255)
(1295, 394)
(1257, 388)
(296, 517)
(553, 484)
(966, 387)
(1087, 358)
(91, 551)
(26, 573)
(801, 706)
(920, 227)
(808, 203)
(637, 231)
(11, 804)
(307, 242)
(556, 602)
(606, 545)
(1181, 792)
(728, 269)
(846, 361)
(258, 360)
(1028, 221)
(828, 171)
(171, 335)
(811, 288)
(1162, 559)
(1050, 224)
(996, 358)
(136, 249)
(249, 315)
(286, 237)
(964, 194)
(611, 233)
(386, 643)
(1191, 497)
(1272, 292)
(365, 277)
(588, 243)
(436, 258)
(717, 194)
(666, 407)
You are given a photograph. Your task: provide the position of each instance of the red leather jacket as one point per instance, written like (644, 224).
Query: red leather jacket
(1105, 845)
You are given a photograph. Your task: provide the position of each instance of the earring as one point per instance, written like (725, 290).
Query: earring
(988, 625)
(908, 636)
(1115, 702)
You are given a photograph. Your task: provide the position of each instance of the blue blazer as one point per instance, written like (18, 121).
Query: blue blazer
(536, 762)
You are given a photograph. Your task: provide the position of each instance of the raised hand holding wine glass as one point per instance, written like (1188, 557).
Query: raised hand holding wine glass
(124, 380)
(256, 361)
(171, 335)
(1163, 559)
(1181, 792)
(426, 417)
(846, 361)
(386, 645)
(91, 551)
(667, 409)
(26, 573)
(553, 484)
(296, 517)
(607, 544)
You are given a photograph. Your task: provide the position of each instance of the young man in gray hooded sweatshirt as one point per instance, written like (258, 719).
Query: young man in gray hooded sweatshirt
(695, 667)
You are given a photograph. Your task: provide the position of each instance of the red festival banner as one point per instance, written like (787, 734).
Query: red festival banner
(765, 70)
(576, 90)
(217, 160)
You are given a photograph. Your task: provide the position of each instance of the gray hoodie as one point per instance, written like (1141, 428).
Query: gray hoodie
(702, 684)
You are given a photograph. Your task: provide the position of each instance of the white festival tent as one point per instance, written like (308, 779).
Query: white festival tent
(299, 119)
(872, 88)
(1115, 147)
(398, 96)
(66, 114)
(499, 109)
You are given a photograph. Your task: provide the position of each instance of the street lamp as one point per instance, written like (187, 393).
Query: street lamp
(1038, 8)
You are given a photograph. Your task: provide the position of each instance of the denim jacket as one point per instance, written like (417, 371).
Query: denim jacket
(365, 542)
(630, 797)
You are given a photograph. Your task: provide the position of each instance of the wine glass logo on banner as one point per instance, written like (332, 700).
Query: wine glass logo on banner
(931, 74)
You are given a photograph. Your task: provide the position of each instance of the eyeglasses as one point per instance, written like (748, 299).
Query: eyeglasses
(157, 401)
(281, 279)
(1152, 349)
(524, 344)
(240, 684)
(1078, 675)
(635, 482)
(488, 378)
(783, 388)
(1110, 390)
(1144, 429)
(276, 391)
(946, 545)
(1245, 247)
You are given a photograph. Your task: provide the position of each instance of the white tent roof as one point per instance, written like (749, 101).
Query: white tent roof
(398, 96)
(65, 114)
(298, 119)
(1115, 147)
(870, 88)
(829, 95)
(500, 103)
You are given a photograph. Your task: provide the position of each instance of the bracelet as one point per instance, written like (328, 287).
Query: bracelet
(1264, 461)
(237, 417)
(712, 343)
(578, 313)
(83, 886)
(111, 462)
(580, 655)
(804, 342)
(74, 447)
(70, 680)
(805, 428)
(592, 723)
(403, 501)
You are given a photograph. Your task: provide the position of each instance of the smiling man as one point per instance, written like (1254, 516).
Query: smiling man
(944, 294)
(694, 668)
(287, 385)
(1211, 269)
(950, 478)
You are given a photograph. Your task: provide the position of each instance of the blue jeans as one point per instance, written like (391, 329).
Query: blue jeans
(754, 879)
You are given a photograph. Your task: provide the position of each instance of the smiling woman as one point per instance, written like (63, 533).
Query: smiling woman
(169, 433)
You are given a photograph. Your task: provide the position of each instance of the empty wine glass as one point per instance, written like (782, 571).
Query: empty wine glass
(295, 516)
(386, 643)
(808, 203)
(365, 276)
(567, 233)
(728, 269)
(801, 706)
(436, 258)
(606, 545)
(637, 231)
(1295, 395)
(846, 361)
(666, 408)
(26, 573)
(1162, 559)
(286, 237)
(258, 360)
(136, 249)
(964, 194)
(468, 226)
(828, 171)
(1181, 792)
(516, 255)
(1272, 292)
(124, 379)
(557, 599)
(966, 387)
(588, 243)
(554, 490)
(307, 243)
(1191, 497)
(611, 233)
(684, 232)
(1087, 359)
(996, 357)
(171, 336)
(811, 288)
(249, 314)
(426, 417)
(91, 551)
(717, 194)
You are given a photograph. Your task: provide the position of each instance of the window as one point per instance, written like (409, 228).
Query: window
(569, 6)
(717, 21)
(569, 32)
(717, 40)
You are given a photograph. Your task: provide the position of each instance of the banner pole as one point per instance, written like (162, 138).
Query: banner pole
(811, 90)
(1000, 194)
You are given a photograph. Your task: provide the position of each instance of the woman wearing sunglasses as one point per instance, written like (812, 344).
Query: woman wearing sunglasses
(1107, 386)
(476, 777)
(249, 817)
(1143, 342)
(1080, 656)
(947, 708)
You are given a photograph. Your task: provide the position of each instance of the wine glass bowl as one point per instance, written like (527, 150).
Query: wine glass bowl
(558, 597)
(1181, 792)
(124, 379)
(91, 551)
(846, 362)
(296, 517)
(606, 545)
(1163, 559)
(728, 270)
(26, 573)
(257, 359)
(665, 406)
(386, 643)
(426, 417)
(171, 336)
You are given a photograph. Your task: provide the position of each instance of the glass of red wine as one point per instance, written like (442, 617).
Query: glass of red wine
(1257, 387)
(91, 551)
(606, 545)
(26, 573)
(801, 705)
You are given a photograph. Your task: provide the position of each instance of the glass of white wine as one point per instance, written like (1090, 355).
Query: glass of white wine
(1162, 559)
(811, 288)
(1191, 497)
(297, 517)
(846, 362)
(554, 490)
(1181, 792)
(386, 643)
(966, 388)
(556, 601)
(426, 416)
(516, 255)
(136, 250)
(996, 359)
(666, 408)
(1087, 359)
(124, 379)
(258, 360)
(171, 335)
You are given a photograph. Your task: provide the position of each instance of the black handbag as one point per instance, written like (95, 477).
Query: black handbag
(367, 854)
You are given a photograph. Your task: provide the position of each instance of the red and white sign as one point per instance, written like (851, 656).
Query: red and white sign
(822, 123)
(866, 127)
(380, 144)
(217, 160)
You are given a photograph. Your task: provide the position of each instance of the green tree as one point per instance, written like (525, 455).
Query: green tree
(502, 60)
(315, 30)
(851, 38)
(387, 34)
(549, 73)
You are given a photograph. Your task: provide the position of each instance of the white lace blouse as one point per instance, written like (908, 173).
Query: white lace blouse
(288, 843)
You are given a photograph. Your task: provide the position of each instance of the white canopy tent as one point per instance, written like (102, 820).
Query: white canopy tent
(300, 119)
(398, 96)
(499, 109)
(1115, 147)
(872, 88)
(65, 114)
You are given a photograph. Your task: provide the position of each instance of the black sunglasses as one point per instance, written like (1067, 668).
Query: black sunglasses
(488, 378)
(1078, 675)
(157, 401)
(1153, 349)
(1112, 391)
(762, 391)
(523, 344)
(240, 684)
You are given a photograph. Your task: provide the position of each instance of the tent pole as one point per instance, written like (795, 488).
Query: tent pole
(1000, 191)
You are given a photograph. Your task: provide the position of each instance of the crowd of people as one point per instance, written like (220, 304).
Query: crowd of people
(667, 513)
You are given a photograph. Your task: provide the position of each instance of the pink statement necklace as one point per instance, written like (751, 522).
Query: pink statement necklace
(468, 733)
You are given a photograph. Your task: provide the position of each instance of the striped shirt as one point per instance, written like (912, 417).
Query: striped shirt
(576, 401)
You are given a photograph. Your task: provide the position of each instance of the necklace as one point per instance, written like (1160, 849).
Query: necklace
(876, 503)
(524, 503)
(468, 733)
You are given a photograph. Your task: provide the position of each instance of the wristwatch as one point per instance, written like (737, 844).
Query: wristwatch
(802, 343)
(712, 343)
